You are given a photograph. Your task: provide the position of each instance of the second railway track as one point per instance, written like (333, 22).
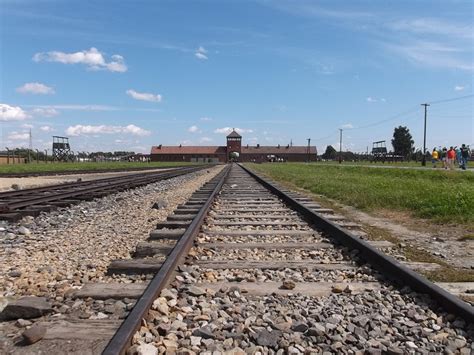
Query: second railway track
(30, 202)
(247, 268)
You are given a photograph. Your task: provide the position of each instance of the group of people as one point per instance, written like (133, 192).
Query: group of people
(449, 157)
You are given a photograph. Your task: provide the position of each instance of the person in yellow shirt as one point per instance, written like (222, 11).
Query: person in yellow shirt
(434, 157)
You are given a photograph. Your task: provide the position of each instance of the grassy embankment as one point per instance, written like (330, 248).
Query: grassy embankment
(437, 196)
(58, 167)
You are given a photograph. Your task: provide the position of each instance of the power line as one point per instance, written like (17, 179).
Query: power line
(329, 136)
(450, 116)
(451, 99)
(411, 110)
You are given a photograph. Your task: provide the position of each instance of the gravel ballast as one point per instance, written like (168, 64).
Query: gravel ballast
(63, 249)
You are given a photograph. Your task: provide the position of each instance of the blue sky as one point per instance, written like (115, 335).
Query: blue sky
(125, 75)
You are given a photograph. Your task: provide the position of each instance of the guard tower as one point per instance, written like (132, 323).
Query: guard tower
(61, 149)
(234, 145)
(379, 150)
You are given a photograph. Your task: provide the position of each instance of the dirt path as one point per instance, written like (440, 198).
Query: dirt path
(439, 240)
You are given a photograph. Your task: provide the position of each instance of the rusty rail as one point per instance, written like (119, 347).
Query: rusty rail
(123, 337)
(387, 265)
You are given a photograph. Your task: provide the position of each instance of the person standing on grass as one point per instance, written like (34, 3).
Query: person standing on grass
(450, 155)
(465, 156)
(459, 157)
(443, 157)
(434, 157)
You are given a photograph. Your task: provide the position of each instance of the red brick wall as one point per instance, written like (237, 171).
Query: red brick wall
(234, 145)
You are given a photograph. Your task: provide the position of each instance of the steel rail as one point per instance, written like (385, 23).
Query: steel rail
(86, 171)
(387, 265)
(81, 183)
(92, 187)
(124, 335)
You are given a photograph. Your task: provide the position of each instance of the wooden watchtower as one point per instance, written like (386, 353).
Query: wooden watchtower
(61, 148)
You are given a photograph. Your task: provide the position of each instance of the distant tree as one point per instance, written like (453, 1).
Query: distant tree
(330, 153)
(402, 141)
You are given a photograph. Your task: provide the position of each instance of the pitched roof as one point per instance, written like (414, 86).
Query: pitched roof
(188, 150)
(275, 150)
(234, 134)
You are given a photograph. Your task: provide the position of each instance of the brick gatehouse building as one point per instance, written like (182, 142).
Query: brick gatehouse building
(234, 150)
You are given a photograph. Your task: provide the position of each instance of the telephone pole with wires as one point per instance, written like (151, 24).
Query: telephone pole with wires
(340, 145)
(30, 147)
(423, 160)
(308, 150)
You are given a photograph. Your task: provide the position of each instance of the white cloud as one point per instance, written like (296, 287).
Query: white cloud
(143, 96)
(92, 58)
(46, 128)
(205, 140)
(433, 54)
(459, 88)
(194, 129)
(45, 112)
(27, 126)
(205, 119)
(12, 113)
(19, 136)
(375, 99)
(35, 88)
(185, 142)
(135, 130)
(347, 126)
(227, 130)
(201, 53)
(85, 130)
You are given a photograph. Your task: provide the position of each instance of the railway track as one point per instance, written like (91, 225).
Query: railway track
(85, 171)
(246, 267)
(14, 205)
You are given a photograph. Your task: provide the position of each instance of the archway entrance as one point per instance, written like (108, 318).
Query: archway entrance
(234, 156)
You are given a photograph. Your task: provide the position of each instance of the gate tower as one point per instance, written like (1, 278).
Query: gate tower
(234, 145)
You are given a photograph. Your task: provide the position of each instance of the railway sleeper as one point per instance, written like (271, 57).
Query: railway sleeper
(186, 211)
(170, 234)
(181, 217)
(144, 249)
(173, 224)
(139, 266)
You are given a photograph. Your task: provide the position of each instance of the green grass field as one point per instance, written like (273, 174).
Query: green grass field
(403, 164)
(58, 167)
(442, 196)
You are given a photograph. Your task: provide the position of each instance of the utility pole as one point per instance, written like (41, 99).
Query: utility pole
(309, 150)
(423, 161)
(30, 148)
(340, 145)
